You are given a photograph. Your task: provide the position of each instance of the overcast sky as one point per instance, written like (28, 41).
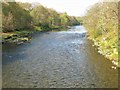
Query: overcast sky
(72, 7)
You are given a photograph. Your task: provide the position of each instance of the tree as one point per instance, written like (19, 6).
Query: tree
(64, 19)
(40, 15)
(15, 17)
(26, 6)
(54, 18)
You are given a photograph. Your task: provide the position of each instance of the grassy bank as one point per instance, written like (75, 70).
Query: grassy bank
(101, 22)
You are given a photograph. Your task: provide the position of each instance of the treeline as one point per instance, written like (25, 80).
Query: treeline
(18, 16)
(101, 22)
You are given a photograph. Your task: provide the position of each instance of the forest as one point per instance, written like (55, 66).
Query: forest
(19, 20)
(101, 22)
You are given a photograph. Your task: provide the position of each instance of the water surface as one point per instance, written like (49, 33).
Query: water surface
(62, 59)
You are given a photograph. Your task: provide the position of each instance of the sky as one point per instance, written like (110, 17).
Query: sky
(72, 7)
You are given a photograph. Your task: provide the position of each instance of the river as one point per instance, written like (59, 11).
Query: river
(61, 59)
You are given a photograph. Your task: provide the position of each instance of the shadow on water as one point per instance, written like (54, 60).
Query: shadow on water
(12, 52)
(101, 66)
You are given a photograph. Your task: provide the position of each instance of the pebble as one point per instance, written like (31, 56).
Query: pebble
(35, 82)
(34, 86)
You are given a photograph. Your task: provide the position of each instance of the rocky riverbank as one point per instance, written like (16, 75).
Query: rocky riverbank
(17, 37)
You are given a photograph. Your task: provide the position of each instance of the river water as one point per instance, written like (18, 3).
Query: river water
(61, 59)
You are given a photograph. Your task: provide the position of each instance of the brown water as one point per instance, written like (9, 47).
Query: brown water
(62, 59)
